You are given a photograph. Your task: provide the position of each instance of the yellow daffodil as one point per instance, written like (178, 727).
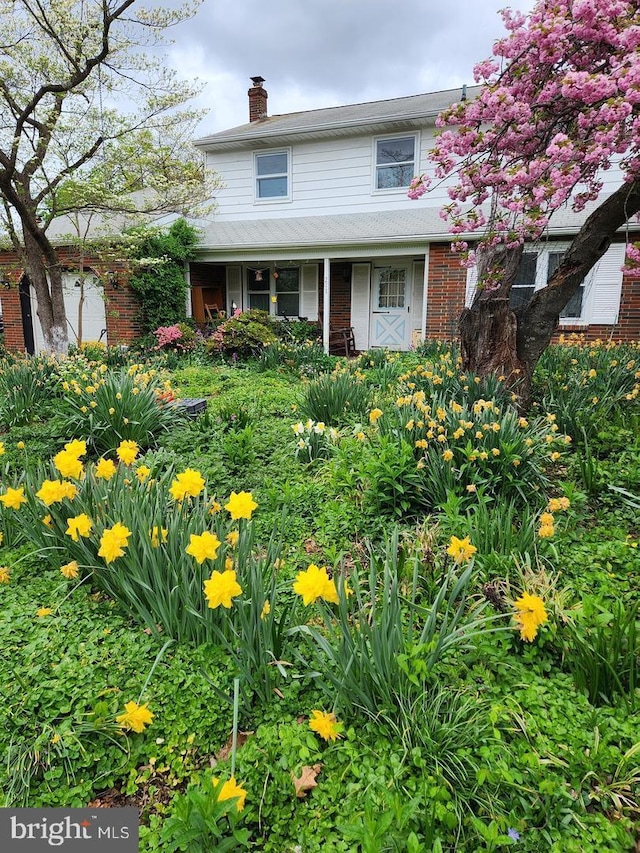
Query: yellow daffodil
(78, 526)
(76, 448)
(325, 725)
(158, 535)
(187, 484)
(375, 415)
(461, 549)
(221, 588)
(315, 583)
(68, 464)
(135, 717)
(41, 612)
(4, 574)
(105, 469)
(266, 610)
(232, 538)
(240, 505)
(127, 451)
(113, 541)
(530, 614)
(70, 570)
(231, 791)
(13, 498)
(203, 546)
(142, 473)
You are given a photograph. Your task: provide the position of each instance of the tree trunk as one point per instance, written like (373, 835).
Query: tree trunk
(495, 339)
(45, 275)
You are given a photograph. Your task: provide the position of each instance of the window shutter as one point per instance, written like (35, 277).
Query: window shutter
(309, 291)
(472, 281)
(234, 288)
(605, 286)
(360, 298)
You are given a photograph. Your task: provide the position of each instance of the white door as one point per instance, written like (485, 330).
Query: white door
(390, 308)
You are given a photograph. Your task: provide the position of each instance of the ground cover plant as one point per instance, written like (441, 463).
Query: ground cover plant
(372, 608)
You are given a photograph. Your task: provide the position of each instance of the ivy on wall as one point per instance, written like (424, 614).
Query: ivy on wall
(159, 275)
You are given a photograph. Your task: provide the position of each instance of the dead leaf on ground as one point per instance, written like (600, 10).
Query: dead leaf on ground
(225, 751)
(306, 780)
(311, 546)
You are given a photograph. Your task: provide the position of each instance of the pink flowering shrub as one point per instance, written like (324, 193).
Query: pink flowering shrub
(176, 337)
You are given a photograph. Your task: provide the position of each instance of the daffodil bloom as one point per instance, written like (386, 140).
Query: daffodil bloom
(232, 538)
(240, 505)
(1, 448)
(221, 588)
(187, 484)
(113, 541)
(68, 464)
(4, 574)
(76, 448)
(142, 473)
(13, 498)
(375, 415)
(135, 718)
(70, 570)
(266, 610)
(79, 525)
(315, 583)
(203, 547)
(530, 614)
(447, 455)
(47, 521)
(127, 451)
(55, 491)
(41, 612)
(105, 469)
(231, 791)
(461, 549)
(19, 445)
(158, 535)
(325, 725)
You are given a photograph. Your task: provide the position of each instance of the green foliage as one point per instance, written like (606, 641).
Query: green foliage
(159, 280)
(199, 823)
(336, 398)
(117, 405)
(26, 389)
(603, 653)
(381, 651)
(244, 335)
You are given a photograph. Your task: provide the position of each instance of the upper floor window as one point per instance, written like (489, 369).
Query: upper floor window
(272, 175)
(395, 162)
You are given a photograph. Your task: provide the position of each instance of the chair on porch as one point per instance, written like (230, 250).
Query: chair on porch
(342, 341)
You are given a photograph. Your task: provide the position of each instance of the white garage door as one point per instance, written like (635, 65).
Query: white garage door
(93, 325)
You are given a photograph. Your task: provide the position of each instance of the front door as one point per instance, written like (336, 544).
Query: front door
(391, 311)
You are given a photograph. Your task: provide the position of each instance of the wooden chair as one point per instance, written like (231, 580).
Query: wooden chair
(342, 341)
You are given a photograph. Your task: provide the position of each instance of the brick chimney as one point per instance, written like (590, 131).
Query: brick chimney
(257, 100)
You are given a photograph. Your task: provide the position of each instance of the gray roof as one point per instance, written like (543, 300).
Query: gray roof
(395, 113)
(418, 225)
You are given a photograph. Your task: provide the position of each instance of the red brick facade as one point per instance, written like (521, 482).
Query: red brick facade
(121, 303)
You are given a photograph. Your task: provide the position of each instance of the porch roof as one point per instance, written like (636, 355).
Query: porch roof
(314, 234)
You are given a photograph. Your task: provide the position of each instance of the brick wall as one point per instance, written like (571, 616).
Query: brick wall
(445, 298)
(121, 303)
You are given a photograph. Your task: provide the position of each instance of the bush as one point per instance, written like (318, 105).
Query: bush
(244, 335)
(111, 406)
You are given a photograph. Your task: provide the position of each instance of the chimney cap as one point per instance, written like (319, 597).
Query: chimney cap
(257, 81)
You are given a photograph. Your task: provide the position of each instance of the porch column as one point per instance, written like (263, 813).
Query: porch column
(425, 294)
(326, 292)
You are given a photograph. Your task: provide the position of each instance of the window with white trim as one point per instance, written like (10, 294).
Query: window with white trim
(272, 175)
(275, 291)
(395, 162)
(535, 270)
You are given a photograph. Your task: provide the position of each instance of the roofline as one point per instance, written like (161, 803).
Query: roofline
(210, 141)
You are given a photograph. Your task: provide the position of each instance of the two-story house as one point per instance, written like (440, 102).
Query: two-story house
(314, 221)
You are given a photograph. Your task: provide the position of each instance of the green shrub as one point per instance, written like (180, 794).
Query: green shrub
(244, 335)
(26, 391)
(335, 398)
(112, 406)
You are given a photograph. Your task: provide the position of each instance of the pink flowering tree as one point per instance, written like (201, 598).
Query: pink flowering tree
(559, 105)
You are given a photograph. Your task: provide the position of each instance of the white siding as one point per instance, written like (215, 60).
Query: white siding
(360, 301)
(309, 291)
(328, 177)
(606, 286)
(234, 288)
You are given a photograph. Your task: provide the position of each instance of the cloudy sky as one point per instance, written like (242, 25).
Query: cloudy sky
(321, 53)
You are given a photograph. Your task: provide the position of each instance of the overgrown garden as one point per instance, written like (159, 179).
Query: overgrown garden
(354, 605)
